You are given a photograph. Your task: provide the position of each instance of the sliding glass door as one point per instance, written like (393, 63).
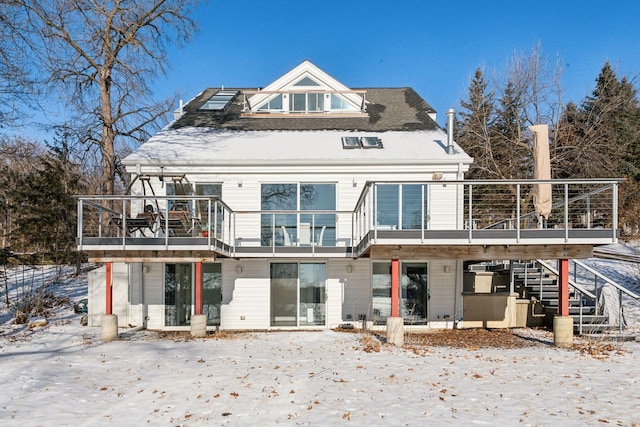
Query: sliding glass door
(414, 292)
(298, 292)
(401, 207)
(298, 229)
(179, 293)
(284, 294)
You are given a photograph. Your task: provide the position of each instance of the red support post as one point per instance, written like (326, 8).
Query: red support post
(395, 287)
(107, 284)
(198, 305)
(563, 287)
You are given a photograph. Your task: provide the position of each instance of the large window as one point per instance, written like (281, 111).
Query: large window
(414, 292)
(212, 292)
(401, 207)
(298, 294)
(304, 229)
(306, 102)
(179, 293)
(339, 103)
(273, 104)
(202, 211)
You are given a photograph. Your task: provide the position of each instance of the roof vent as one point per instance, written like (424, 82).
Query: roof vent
(450, 115)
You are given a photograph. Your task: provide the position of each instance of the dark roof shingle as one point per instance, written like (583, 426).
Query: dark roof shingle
(388, 109)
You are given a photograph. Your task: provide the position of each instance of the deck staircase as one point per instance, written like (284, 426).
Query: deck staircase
(532, 280)
(537, 281)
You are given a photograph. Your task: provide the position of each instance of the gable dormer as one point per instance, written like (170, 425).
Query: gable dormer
(305, 90)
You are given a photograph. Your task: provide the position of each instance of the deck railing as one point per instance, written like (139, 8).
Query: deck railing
(434, 212)
(479, 207)
(124, 220)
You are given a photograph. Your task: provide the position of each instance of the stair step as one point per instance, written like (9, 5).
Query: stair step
(594, 328)
(589, 319)
(545, 287)
(553, 302)
(586, 310)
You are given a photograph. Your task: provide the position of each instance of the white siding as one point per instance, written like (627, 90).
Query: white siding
(136, 304)
(241, 192)
(97, 294)
(442, 277)
(356, 289)
(153, 293)
(443, 207)
(245, 295)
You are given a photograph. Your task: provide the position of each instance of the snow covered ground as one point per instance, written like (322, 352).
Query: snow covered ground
(62, 374)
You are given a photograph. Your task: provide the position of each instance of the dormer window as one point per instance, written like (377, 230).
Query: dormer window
(305, 90)
(338, 103)
(273, 104)
(306, 102)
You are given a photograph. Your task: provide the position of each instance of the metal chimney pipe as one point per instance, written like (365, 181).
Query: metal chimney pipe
(450, 115)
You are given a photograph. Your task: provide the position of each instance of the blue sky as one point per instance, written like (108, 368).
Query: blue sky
(432, 46)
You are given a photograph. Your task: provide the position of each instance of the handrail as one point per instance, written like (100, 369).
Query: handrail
(606, 279)
(363, 215)
(571, 282)
(555, 205)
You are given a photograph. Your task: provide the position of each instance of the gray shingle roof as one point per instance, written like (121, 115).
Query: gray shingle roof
(389, 109)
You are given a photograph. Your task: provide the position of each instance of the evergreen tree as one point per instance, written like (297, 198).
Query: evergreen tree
(611, 116)
(512, 152)
(472, 130)
(36, 199)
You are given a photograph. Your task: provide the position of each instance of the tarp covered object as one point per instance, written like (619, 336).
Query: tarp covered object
(541, 170)
(609, 305)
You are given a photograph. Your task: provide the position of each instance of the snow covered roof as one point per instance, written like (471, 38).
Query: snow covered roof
(207, 146)
(230, 126)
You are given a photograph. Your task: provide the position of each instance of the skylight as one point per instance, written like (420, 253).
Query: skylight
(371, 142)
(219, 100)
(350, 142)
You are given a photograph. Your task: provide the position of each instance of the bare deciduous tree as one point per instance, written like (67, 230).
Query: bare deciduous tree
(100, 56)
(493, 124)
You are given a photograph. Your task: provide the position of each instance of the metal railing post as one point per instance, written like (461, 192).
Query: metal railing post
(273, 233)
(233, 238)
(79, 227)
(374, 208)
(209, 231)
(619, 310)
(470, 225)
(166, 225)
(124, 224)
(595, 292)
(580, 321)
(422, 213)
(566, 212)
(614, 219)
(518, 213)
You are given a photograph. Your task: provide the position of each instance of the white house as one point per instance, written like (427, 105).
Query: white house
(308, 204)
